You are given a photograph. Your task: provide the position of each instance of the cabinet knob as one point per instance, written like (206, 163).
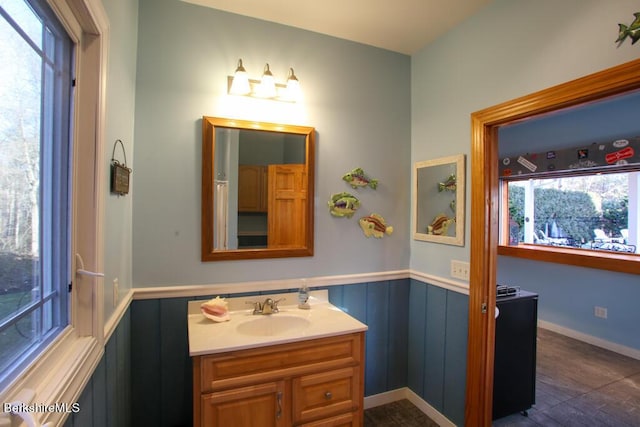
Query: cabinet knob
(328, 395)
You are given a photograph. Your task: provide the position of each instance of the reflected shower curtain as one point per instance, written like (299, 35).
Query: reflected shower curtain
(220, 219)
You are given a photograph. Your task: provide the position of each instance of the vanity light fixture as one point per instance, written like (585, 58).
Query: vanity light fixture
(266, 87)
(293, 86)
(240, 85)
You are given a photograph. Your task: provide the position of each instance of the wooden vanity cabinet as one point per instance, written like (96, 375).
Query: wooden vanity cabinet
(309, 383)
(252, 188)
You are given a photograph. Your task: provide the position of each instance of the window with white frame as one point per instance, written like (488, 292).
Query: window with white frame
(35, 181)
(58, 359)
(585, 197)
(596, 211)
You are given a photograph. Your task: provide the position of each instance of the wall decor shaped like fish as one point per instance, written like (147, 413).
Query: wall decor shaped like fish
(632, 31)
(358, 178)
(375, 225)
(440, 225)
(343, 205)
(449, 184)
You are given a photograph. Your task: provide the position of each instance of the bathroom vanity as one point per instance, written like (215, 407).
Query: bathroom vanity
(293, 368)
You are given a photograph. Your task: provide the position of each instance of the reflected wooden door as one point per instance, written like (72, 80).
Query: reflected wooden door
(287, 216)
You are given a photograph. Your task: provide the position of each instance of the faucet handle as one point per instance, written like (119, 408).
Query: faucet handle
(257, 307)
(275, 304)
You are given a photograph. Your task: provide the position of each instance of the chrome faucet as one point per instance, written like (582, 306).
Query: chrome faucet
(269, 306)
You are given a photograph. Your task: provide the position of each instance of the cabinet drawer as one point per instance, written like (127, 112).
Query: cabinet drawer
(345, 420)
(258, 365)
(325, 394)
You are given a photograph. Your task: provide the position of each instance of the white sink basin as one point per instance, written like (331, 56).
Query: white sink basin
(273, 324)
(244, 330)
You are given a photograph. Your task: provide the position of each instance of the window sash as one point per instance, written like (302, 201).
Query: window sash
(49, 308)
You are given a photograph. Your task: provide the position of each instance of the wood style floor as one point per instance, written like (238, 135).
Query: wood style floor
(577, 385)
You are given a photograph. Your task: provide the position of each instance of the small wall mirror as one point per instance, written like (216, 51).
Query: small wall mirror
(257, 190)
(438, 200)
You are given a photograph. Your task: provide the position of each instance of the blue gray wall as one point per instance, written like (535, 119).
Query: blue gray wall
(606, 120)
(508, 49)
(357, 97)
(569, 294)
(120, 116)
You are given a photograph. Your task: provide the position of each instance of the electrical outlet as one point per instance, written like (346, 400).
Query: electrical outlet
(460, 269)
(600, 312)
(116, 291)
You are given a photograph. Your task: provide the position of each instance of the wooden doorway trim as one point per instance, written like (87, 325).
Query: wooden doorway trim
(484, 213)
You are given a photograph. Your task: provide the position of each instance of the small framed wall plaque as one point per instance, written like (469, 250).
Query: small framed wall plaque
(119, 172)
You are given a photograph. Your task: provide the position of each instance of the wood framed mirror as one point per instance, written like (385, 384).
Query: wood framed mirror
(257, 190)
(438, 200)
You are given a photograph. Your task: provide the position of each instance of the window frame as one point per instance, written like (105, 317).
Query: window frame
(590, 258)
(62, 370)
(55, 221)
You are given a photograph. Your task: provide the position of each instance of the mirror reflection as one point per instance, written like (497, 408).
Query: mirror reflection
(257, 183)
(439, 200)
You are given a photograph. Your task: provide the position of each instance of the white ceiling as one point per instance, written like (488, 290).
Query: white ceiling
(404, 26)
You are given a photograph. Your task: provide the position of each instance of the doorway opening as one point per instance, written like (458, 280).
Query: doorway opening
(485, 224)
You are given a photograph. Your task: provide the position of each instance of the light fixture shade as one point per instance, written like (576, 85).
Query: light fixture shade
(293, 87)
(267, 84)
(240, 84)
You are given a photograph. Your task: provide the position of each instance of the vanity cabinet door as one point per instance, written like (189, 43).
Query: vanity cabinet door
(325, 394)
(261, 405)
(252, 188)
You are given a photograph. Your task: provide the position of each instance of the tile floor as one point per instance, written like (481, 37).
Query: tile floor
(397, 414)
(577, 385)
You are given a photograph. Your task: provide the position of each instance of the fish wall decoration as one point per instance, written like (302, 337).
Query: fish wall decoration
(632, 31)
(449, 184)
(375, 225)
(343, 205)
(358, 178)
(440, 225)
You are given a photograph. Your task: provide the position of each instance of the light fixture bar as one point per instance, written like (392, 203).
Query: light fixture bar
(240, 84)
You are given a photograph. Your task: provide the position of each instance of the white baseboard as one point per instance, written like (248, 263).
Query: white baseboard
(406, 393)
(590, 339)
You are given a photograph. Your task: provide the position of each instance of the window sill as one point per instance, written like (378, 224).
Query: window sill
(58, 376)
(603, 260)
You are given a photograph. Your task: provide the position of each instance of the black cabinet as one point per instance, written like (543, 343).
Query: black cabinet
(514, 379)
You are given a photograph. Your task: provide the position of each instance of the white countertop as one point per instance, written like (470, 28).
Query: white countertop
(322, 320)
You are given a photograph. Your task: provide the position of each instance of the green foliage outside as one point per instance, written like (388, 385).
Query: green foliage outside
(16, 281)
(17, 272)
(573, 212)
(615, 216)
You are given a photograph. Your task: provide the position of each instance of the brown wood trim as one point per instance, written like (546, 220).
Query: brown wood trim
(484, 213)
(603, 260)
